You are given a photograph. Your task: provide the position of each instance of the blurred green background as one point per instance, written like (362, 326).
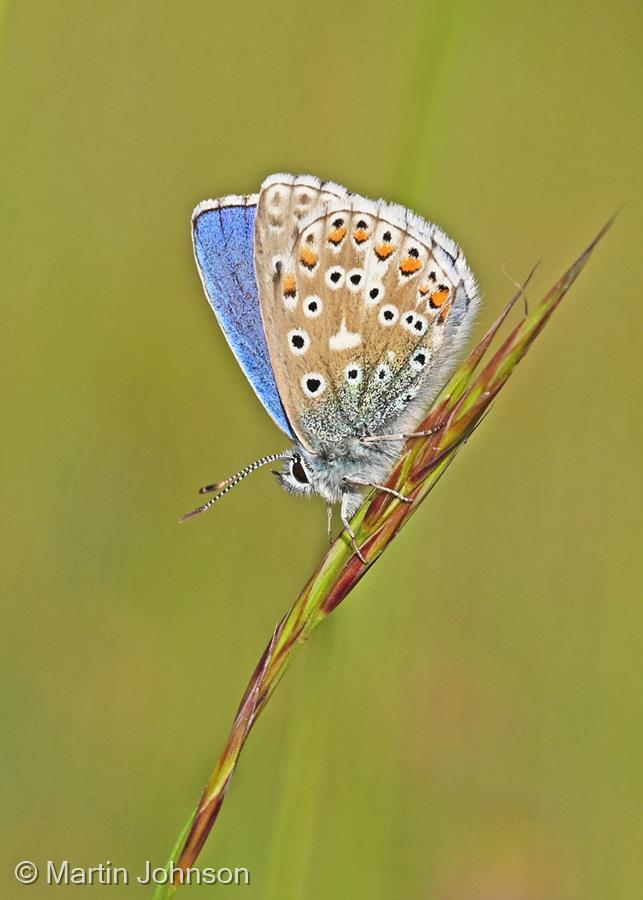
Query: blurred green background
(468, 726)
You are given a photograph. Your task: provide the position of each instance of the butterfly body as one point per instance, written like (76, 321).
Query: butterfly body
(353, 321)
(330, 471)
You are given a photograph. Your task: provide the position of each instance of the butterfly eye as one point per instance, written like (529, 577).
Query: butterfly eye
(297, 470)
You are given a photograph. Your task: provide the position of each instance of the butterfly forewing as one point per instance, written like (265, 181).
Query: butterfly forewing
(363, 305)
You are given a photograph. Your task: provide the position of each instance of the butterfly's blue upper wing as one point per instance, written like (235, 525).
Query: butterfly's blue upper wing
(223, 237)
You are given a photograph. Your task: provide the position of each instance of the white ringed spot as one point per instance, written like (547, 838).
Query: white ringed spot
(374, 294)
(298, 341)
(353, 373)
(313, 306)
(388, 315)
(335, 277)
(420, 325)
(382, 374)
(313, 384)
(354, 279)
(420, 359)
(411, 393)
(414, 323)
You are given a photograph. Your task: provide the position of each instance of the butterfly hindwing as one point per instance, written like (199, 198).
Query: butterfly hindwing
(223, 238)
(365, 305)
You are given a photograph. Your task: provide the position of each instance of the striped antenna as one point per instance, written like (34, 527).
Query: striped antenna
(228, 483)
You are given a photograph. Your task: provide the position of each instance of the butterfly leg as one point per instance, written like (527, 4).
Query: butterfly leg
(329, 522)
(379, 487)
(347, 525)
(373, 438)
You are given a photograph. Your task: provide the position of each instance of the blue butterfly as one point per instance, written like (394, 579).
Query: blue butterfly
(346, 315)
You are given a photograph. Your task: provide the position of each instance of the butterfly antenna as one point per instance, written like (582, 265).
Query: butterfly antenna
(227, 484)
(216, 486)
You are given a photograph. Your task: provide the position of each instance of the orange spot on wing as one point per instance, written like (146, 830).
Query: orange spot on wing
(360, 236)
(308, 257)
(409, 265)
(290, 286)
(444, 314)
(337, 235)
(424, 289)
(383, 251)
(438, 299)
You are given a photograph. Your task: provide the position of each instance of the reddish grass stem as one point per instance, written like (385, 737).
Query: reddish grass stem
(456, 413)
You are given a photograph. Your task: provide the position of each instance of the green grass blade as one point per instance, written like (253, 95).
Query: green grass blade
(458, 410)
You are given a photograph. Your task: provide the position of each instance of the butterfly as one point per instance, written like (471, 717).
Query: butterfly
(347, 316)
